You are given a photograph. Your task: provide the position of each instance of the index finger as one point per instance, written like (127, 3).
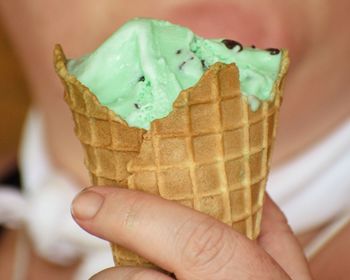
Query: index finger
(177, 238)
(277, 237)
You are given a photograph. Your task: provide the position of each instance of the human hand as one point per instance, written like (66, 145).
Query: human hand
(186, 242)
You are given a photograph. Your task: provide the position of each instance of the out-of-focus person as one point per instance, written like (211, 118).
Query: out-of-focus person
(309, 179)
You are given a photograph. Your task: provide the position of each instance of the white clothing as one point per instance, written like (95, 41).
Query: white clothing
(315, 187)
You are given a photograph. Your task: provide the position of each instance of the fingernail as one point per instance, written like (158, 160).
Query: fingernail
(86, 205)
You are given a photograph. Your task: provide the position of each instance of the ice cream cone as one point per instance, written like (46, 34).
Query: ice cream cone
(211, 153)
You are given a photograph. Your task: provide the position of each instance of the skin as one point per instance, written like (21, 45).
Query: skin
(314, 31)
(186, 242)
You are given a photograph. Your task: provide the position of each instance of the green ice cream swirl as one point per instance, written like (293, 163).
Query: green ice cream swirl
(141, 69)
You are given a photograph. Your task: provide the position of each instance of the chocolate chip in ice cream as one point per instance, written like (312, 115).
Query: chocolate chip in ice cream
(204, 66)
(182, 65)
(231, 44)
(273, 51)
(142, 79)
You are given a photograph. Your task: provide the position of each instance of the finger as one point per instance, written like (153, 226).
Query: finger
(278, 239)
(177, 238)
(130, 273)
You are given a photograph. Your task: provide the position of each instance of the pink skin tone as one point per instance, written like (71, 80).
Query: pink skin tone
(316, 94)
(185, 242)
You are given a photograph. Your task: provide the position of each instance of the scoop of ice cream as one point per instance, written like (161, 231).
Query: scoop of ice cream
(141, 69)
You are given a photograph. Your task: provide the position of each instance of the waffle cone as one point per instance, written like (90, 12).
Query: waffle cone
(211, 153)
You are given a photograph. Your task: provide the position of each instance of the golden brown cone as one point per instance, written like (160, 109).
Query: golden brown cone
(211, 153)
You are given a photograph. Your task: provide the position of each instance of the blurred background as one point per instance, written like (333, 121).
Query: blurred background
(14, 103)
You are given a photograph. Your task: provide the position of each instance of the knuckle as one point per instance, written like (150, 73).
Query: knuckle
(133, 209)
(205, 247)
(137, 275)
(143, 274)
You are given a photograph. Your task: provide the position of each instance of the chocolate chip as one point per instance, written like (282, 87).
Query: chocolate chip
(182, 65)
(191, 58)
(137, 106)
(178, 51)
(142, 79)
(273, 51)
(230, 44)
(253, 47)
(204, 66)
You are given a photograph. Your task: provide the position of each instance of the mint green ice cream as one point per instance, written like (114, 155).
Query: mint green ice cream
(141, 69)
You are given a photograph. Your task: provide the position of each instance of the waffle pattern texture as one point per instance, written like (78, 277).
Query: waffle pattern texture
(212, 153)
